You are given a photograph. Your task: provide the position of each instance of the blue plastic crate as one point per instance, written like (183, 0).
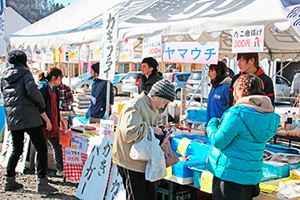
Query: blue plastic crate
(277, 169)
(197, 172)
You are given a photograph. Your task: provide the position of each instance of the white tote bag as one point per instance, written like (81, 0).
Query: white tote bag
(148, 149)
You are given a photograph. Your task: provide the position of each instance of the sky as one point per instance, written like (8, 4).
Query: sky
(64, 2)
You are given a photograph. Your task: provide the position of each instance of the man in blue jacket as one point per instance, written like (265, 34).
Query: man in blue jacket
(98, 99)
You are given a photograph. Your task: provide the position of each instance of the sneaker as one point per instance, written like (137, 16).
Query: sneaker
(59, 173)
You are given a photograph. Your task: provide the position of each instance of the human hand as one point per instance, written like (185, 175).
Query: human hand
(157, 131)
(48, 126)
(63, 124)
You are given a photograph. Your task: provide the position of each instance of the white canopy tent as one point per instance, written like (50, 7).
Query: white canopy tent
(176, 20)
(14, 22)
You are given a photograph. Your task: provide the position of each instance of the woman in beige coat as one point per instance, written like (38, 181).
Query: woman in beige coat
(133, 126)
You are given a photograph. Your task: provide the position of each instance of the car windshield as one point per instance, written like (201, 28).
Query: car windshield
(195, 76)
(132, 76)
(183, 77)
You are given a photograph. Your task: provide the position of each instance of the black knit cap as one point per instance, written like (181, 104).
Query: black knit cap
(17, 57)
(151, 62)
(163, 89)
(96, 67)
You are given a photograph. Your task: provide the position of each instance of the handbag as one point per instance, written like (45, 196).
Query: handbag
(170, 156)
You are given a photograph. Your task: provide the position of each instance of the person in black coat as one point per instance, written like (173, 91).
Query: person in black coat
(150, 75)
(24, 104)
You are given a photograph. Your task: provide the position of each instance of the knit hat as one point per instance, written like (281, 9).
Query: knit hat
(17, 57)
(96, 67)
(151, 62)
(163, 89)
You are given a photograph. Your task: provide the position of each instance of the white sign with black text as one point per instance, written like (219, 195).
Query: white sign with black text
(93, 181)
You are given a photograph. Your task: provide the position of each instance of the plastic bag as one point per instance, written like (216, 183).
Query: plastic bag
(148, 149)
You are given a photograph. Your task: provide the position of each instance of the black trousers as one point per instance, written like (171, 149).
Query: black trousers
(225, 190)
(38, 140)
(136, 186)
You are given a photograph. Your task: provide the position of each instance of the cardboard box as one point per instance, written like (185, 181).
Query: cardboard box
(50, 160)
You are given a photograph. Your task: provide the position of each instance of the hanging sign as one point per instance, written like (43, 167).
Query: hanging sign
(152, 46)
(28, 54)
(71, 54)
(83, 55)
(126, 51)
(37, 55)
(191, 52)
(108, 64)
(56, 55)
(96, 50)
(248, 39)
(291, 10)
(93, 181)
(48, 56)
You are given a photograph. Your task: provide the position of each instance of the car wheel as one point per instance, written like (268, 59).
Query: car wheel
(115, 91)
(178, 94)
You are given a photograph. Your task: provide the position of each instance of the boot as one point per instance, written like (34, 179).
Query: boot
(43, 187)
(11, 184)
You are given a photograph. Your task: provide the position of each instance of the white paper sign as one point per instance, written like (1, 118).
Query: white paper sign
(107, 128)
(291, 10)
(248, 39)
(115, 188)
(48, 56)
(108, 64)
(152, 46)
(71, 54)
(93, 181)
(79, 143)
(83, 56)
(191, 52)
(72, 156)
(37, 55)
(7, 150)
(126, 51)
(96, 50)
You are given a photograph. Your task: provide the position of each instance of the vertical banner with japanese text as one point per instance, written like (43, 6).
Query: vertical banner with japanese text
(191, 52)
(95, 173)
(152, 46)
(248, 39)
(108, 64)
(291, 10)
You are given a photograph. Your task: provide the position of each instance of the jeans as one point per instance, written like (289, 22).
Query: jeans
(54, 142)
(38, 140)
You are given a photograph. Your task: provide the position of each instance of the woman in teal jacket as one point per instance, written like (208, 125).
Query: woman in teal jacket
(239, 139)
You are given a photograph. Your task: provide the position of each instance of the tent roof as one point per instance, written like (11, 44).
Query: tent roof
(14, 23)
(176, 20)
